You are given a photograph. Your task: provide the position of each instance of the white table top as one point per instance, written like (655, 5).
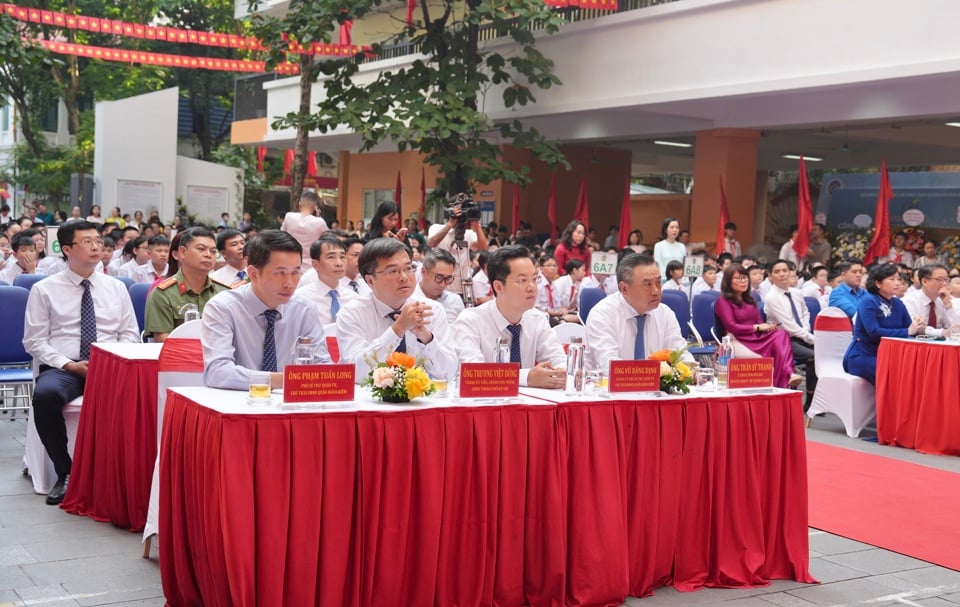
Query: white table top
(559, 396)
(235, 402)
(932, 342)
(148, 351)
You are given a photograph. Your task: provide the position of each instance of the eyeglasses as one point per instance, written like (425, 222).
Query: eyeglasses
(392, 273)
(443, 279)
(740, 277)
(89, 242)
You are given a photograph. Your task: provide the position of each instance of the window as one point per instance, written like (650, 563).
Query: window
(5, 118)
(372, 199)
(50, 120)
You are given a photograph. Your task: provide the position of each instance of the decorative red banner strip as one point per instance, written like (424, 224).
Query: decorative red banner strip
(600, 5)
(148, 58)
(168, 34)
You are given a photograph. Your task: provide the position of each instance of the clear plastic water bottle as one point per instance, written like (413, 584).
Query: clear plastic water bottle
(575, 367)
(502, 350)
(190, 312)
(303, 354)
(724, 354)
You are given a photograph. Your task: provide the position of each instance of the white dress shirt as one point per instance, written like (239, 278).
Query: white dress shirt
(611, 332)
(565, 292)
(127, 270)
(777, 308)
(306, 229)
(147, 274)
(51, 264)
(10, 271)
(227, 275)
(812, 289)
(481, 285)
(364, 330)
(362, 287)
(477, 329)
(700, 285)
(672, 285)
(51, 327)
(232, 331)
(461, 254)
(918, 304)
(764, 287)
(546, 295)
(788, 254)
(318, 294)
(451, 302)
(308, 278)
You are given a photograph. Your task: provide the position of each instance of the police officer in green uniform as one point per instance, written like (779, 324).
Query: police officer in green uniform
(191, 284)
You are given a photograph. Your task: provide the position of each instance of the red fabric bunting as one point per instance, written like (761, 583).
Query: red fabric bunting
(880, 243)
(625, 219)
(724, 220)
(804, 213)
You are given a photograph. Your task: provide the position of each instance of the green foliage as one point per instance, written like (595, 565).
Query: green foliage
(431, 105)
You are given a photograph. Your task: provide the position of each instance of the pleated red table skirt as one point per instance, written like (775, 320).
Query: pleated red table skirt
(573, 504)
(116, 447)
(917, 403)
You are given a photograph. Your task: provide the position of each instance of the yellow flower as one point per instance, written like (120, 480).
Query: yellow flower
(685, 372)
(417, 382)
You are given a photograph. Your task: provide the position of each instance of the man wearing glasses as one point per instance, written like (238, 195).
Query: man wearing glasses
(439, 271)
(932, 301)
(388, 319)
(66, 313)
(511, 314)
(631, 324)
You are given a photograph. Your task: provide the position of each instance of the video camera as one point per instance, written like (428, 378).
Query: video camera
(469, 211)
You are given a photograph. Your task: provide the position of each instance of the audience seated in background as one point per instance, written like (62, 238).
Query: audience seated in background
(230, 245)
(848, 293)
(156, 265)
(933, 301)
(785, 307)
(23, 260)
(439, 268)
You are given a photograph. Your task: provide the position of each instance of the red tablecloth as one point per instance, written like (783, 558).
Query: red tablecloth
(917, 387)
(116, 446)
(578, 504)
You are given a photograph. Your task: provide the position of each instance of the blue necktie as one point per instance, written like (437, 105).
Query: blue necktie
(335, 304)
(639, 353)
(353, 285)
(88, 321)
(269, 343)
(514, 342)
(402, 346)
(241, 275)
(793, 308)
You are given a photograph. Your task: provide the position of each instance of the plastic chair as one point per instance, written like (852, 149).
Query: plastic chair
(703, 316)
(138, 295)
(678, 302)
(566, 331)
(127, 281)
(180, 364)
(813, 306)
(589, 297)
(851, 398)
(28, 280)
(16, 372)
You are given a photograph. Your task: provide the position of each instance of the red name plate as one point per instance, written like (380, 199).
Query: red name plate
(750, 373)
(634, 375)
(487, 380)
(317, 383)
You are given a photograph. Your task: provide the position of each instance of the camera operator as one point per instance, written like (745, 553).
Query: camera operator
(444, 236)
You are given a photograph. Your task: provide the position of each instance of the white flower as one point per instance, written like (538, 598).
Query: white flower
(383, 377)
(665, 369)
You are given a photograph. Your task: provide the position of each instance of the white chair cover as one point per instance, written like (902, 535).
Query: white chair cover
(185, 369)
(35, 459)
(849, 397)
(566, 331)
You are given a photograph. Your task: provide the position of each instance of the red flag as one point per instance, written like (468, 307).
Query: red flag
(396, 197)
(261, 154)
(724, 220)
(411, 4)
(515, 210)
(625, 219)
(312, 164)
(288, 162)
(880, 243)
(804, 213)
(346, 32)
(422, 211)
(581, 211)
(552, 208)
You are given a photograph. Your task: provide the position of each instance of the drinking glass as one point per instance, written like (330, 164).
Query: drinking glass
(259, 393)
(705, 380)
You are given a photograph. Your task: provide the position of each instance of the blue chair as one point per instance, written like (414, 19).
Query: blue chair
(4, 283)
(703, 318)
(678, 302)
(129, 282)
(16, 372)
(588, 298)
(28, 280)
(813, 306)
(138, 295)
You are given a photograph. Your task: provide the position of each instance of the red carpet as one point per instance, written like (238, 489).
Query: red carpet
(895, 505)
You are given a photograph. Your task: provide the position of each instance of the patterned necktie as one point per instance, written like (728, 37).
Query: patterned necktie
(514, 342)
(242, 275)
(793, 308)
(402, 346)
(932, 317)
(355, 287)
(639, 352)
(270, 343)
(335, 304)
(88, 321)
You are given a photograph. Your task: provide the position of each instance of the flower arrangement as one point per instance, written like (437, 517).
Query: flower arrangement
(675, 376)
(950, 251)
(850, 245)
(915, 238)
(399, 379)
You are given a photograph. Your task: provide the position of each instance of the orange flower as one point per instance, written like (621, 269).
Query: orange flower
(401, 359)
(661, 355)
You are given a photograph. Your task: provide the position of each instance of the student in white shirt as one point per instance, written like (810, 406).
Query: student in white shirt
(328, 255)
(23, 260)
(439, 270)
(817, 287)
(351, 276)
(566, 288)
(615, 323)
(156, 266)
(675, 280)
(481, 284)
(139, 251)
(706, 282)
(388, 319)
(511, 314)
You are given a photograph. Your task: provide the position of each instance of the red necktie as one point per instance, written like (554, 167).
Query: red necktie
(550, 295)
(932, 318)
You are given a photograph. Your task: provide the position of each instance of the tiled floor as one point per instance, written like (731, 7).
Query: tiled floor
(50, 558)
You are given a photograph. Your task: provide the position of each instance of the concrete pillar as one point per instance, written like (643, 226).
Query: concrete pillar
(731, 154)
